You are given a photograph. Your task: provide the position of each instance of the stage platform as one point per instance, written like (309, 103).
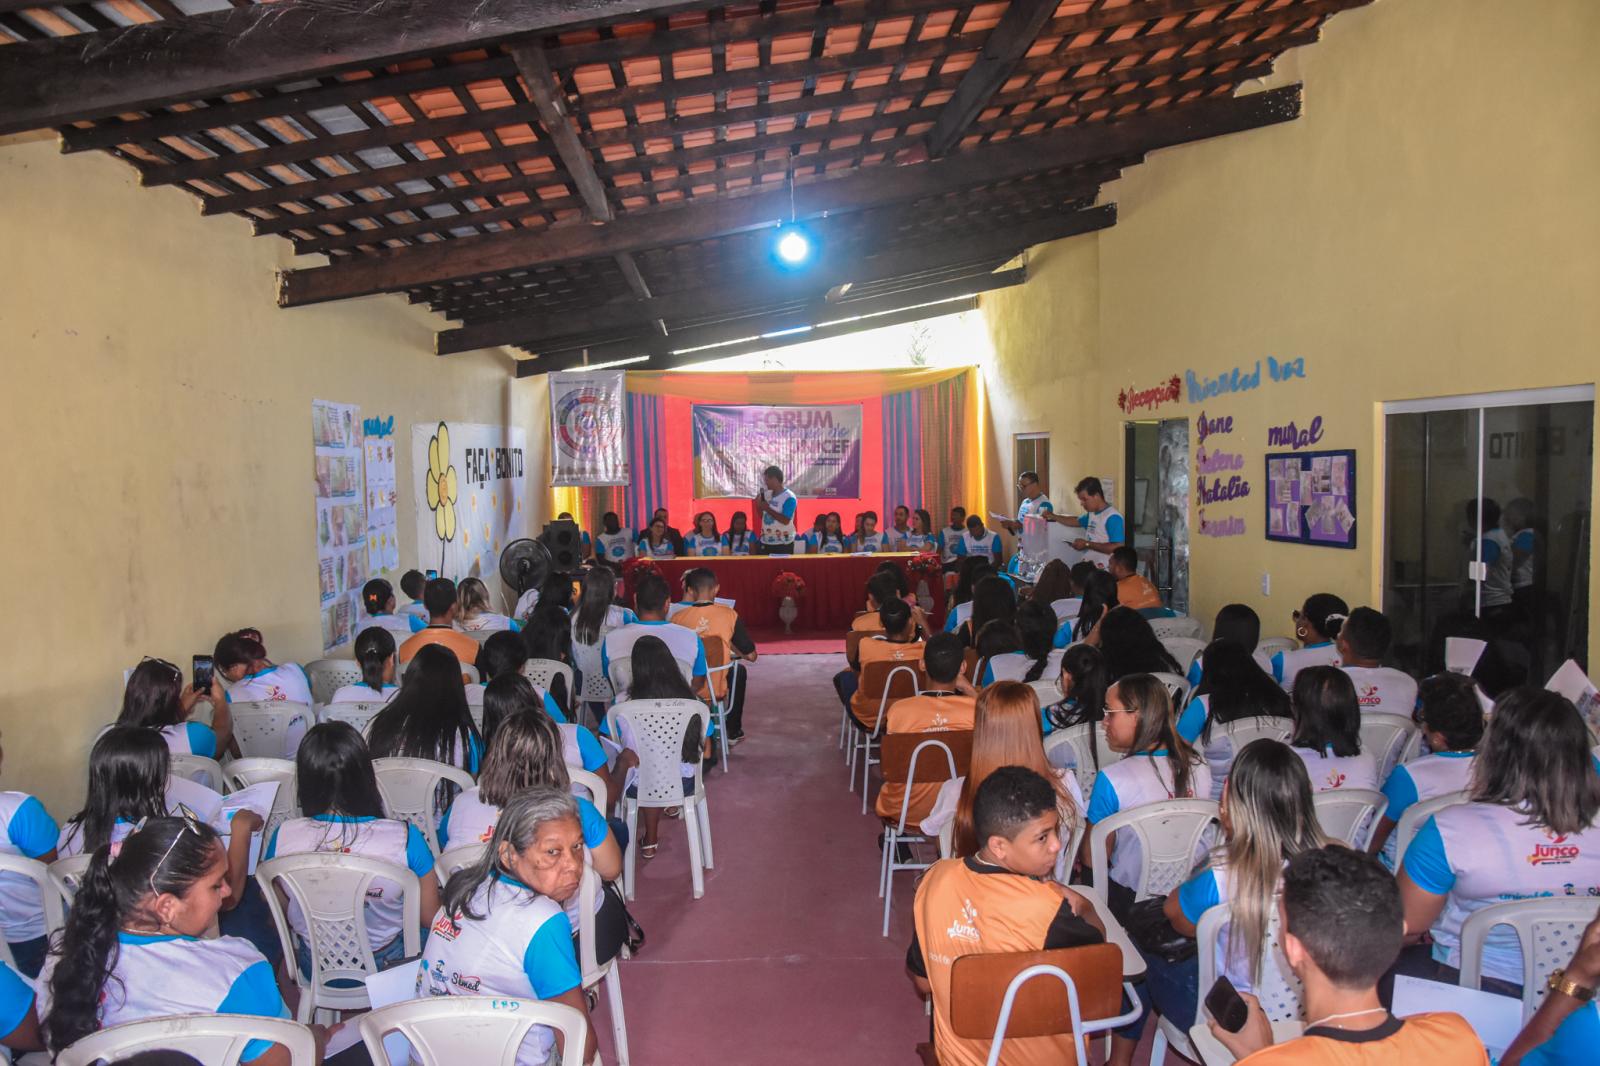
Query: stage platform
(835, 587)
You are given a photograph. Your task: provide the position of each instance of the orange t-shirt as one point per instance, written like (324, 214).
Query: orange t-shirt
(711, 620)
(1441, 1037)
(866, 622)
(465, 647)
(872, 650)
(921, 714)
(1136, 591)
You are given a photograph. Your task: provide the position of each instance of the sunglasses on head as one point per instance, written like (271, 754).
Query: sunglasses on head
(191, 824)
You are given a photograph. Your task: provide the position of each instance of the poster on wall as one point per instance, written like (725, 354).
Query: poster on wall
(817, 448)
(472, 483)
(383, 496)
(1311, 498)
(588, 430)
(342, 567)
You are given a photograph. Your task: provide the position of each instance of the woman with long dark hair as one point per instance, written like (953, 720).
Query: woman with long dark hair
(656, 676)
(502, 931)
(1131, 646)
(134, 944)
(512, 694)
(548, 635)
(1083, 683)
(375, 651)
(597, 614)
(343, 814)
(1327, 730)
(429, 718)
(739, 540)
(993, 600)
(705, 539)
(1232, 687)
(1035, 659)
(501, 655)
(657, 543)
(1099, 597)
(241, 659)
(155, 697)
(1239, 623)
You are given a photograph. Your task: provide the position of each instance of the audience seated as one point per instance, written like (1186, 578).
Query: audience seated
(1240, 624)
(428, 718)
(1316, 624)
(1327, 731)
(1130, 646)
(31, 833)
(656, 676)
(503, 654)
(242, 660)
(440, 598)
(597, 614)
(880, 590)
(1342, 930)
(1232, 688)
(155, 697)
(378, 600)
(1133, 589)
(1083, 684)
(997, 900)
(547, 634)
(1452, 724)
(502, 930)
(413, 583)
(19, 1015)
(946, 704)
(958, 609)
(512, 694)
(472, 609)
(1529, 831)
(1099, 597)
(650, 607)
(993, 600)
(1362, 643)
(705, 617)
(375, 651)
(899, 642)
(1053, 588)
(342, 813)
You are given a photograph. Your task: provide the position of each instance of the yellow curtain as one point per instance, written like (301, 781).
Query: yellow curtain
(783, 386)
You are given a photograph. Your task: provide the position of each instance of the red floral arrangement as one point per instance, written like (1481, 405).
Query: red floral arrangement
(635, 570)
(788, 584)
(925, 564)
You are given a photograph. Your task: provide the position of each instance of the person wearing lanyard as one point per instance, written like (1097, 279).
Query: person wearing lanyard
(1103, 522)
(775, 507)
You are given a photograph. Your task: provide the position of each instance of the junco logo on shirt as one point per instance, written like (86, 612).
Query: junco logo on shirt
(1557, 852)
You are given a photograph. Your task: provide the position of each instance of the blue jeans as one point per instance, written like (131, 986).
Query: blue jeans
(386, 956)
(29, 955)
(1171, 988)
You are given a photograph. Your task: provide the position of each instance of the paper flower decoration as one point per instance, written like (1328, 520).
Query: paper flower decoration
(442, 484)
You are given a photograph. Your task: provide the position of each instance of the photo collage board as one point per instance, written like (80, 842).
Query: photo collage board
(1311, 498)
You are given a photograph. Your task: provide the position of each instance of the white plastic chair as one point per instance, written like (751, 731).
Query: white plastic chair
(214, 1039)
(1077, 740)
(1081, 1030)
(1270, 646)
(1183, 649)
(198, 768)
(719, 707)
(49, 894)
(621, 674)
(331, 892)
(1181, 626)
(1390, 738)
(1169, 833)
(328, 676)
(410, 789)
(1046, 690)
(481, 1030)
(894, 834)
(593, 971)
(862, 741)
(242, 773)
(660, 727)
(591, 783)
(67, 874)
(1548, 931)
(1237, 735)
(358, 715)
(1177, 687)
(262, 727)
(1350, 814)
(458, 857)
(543, 672)
(1416, 816)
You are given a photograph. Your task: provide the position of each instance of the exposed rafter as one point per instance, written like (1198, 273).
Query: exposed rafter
(1008, 42)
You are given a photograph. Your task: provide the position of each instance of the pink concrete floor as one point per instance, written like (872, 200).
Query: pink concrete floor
(781, 962)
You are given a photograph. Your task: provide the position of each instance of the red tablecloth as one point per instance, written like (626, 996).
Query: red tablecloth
(835, 585)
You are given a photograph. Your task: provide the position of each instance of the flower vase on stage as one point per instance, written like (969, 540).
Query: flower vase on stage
(925, 567)
(788, 587)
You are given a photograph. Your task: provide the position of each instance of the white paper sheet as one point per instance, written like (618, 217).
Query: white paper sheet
(1461, 654)
(1496, 1019)
(1570, 681)
(398, 984)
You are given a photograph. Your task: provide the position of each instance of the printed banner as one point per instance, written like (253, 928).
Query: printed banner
(473, 483)
(817, 448)
(342, 568)
(588, 430)
(383, 496)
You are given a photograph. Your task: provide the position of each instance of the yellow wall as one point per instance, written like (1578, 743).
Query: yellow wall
(1428, 227)
(158, 412)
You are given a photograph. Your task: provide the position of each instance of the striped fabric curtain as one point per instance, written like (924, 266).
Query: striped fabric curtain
(636, 502)
(938, 477)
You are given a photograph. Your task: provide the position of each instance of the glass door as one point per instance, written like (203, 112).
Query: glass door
(1157, 505)
(1488, 507)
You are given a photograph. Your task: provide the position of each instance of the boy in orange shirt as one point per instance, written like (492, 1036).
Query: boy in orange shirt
(947, 704)
(439, 596)
(1132, 589)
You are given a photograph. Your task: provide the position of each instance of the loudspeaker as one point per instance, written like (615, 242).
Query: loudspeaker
(565, 544)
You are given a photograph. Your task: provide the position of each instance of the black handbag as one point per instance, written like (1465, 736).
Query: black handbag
(1153, 934)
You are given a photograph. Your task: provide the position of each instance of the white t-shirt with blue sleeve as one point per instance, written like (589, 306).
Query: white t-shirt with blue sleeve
(695, 544)
(285, 682)
(521, 948)
(738, 543)
(1104, 526)
(386, 839)
(1422, 779)
(157, 976)
(1330, 773)
(685, 644)
(871, 542)
(948, 538)
(1476, 854)
(614, 546)
(31, 833)
(471, 820)
(1286, 664)
(988, 546)
(1213, 887)
(1134, 782)
(956, 616)
(773, 531)
(16, 999)
(190, 738)
(1037, 506)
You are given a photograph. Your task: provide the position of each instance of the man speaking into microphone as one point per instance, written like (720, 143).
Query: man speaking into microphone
(775, 507)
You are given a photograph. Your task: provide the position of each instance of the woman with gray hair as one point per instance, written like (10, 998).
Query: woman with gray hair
(501, 931)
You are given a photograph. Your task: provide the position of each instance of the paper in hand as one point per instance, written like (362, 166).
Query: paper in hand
(1461, 654)
(1570, 681)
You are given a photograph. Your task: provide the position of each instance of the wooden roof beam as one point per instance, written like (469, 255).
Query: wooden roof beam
(1008, 42)
(852, 191)
(97, 75)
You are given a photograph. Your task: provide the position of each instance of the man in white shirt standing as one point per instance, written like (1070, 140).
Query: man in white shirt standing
(1105, 530)
(1362, 643)
(775, 507)
(1034, 502)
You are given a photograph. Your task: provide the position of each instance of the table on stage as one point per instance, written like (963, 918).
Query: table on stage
(835, 585)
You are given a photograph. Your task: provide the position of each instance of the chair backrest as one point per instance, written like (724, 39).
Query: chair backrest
(39, 874)
(328, 676)
(620, 673)
(980, 983)
(924, 759)
(262, 726)
(596, 687)
(1181, 626)
(1416, 815)
(1349, 814)
(1270, 646)
(358, 715)
(1242, 731)
(1046, 690)
(1390, 738)
(885, 681)
(591, 782)
(214, 1039)
(659, 727)
(1169, 835)
(482, 1030)
(242, 773)
(67, 874)
(969, 664)
(852, 641)
(1078, 739)
(1548, 931)
(198, 768)
(589, 887)
(1279, 991)
(1177, 688)
(410, 789)
(543, 672)
(331, 892)
(1183, 649)
(457, 858)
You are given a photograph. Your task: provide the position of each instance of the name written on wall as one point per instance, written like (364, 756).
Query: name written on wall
(485, 464)
(1216, 489)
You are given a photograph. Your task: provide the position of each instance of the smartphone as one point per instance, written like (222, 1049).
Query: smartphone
(202, 673)
(432, 574)
(1226, 1006)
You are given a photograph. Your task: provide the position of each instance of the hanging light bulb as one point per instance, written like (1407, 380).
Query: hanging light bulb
(792, 244)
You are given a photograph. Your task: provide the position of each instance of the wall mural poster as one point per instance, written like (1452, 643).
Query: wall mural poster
(341, 516)
(472, 483)
(383, 496)
(1311, 497)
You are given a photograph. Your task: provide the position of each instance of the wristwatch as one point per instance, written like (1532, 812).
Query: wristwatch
(1559, 983)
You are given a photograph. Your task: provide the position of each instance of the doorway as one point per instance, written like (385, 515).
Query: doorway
(1156, 507)
(1487, 530)
(1031, 451)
